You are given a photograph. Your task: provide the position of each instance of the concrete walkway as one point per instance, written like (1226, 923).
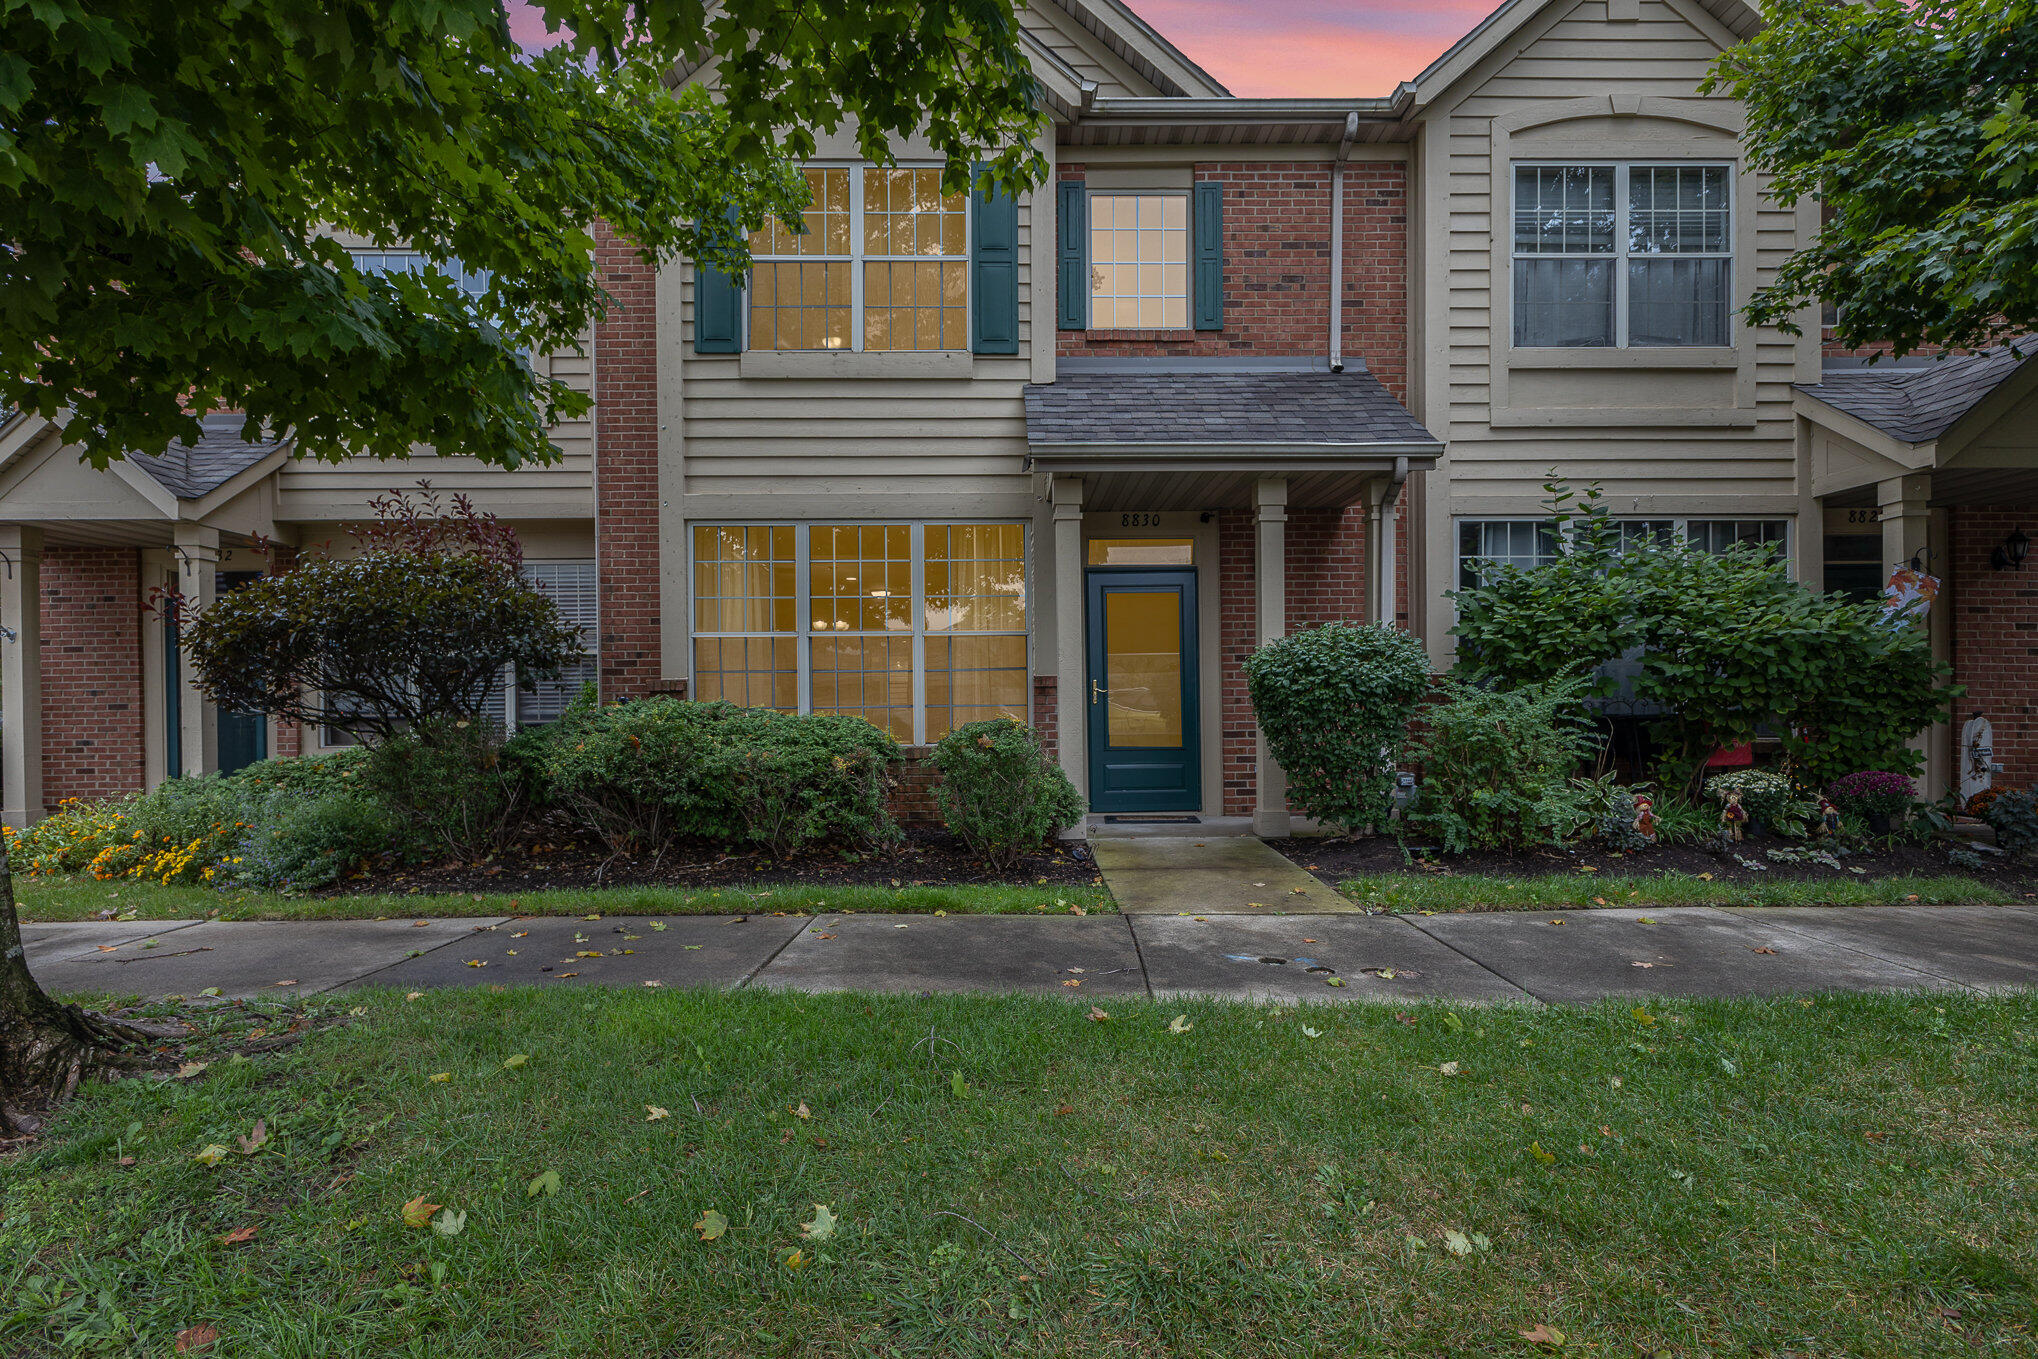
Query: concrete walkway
(1233, 875)
(1555, 957)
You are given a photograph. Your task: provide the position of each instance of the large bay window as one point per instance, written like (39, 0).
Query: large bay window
(883, 264)
(918, 628)
(1619, 255)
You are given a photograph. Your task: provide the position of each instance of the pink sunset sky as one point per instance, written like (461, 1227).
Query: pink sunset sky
(1270, 48)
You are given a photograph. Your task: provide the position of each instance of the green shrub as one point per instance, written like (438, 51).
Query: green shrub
(1768, 797)
(331, 772)
(1499, 767)
(643, 774)
(2015, 818)
(1726, 642)
(1334, 702)
(1000, 792)
(299, 843)
(450, 785)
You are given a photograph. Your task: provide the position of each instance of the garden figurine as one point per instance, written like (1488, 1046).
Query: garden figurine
(1645, 817)
(1829, 817)
(1733, 818)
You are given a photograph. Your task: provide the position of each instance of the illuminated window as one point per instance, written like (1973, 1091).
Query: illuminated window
(883, 264)
(917, 628)
(1139, 261)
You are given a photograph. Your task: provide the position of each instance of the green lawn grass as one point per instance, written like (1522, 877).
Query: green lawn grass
(63, 898)
(1474, 892)
(1852, 1176)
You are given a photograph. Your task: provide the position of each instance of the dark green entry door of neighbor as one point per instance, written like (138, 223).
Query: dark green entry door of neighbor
(1144, 732)
(243, 737)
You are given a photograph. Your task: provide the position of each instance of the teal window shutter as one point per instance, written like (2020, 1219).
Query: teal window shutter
(1072, 255)
(717, 312)
(1207, 214)
(717, 308)
(994, 270)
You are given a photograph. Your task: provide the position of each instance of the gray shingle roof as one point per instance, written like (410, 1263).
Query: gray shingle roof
(190, 471)
(1919, 404)
(1216, 406)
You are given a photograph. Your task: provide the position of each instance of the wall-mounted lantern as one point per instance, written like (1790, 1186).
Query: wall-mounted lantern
(2009, 554)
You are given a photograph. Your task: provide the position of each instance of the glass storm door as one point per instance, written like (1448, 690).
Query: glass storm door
(1142, 692)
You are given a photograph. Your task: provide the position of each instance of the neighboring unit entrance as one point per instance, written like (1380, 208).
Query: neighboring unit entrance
(1144, 737)
(243, 737)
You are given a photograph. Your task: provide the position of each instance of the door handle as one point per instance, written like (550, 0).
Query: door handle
(1096, 691)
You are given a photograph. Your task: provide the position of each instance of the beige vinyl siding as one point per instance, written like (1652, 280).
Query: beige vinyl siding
(1081, 50)
(1570, 55)
(565, 489)
(811, 439)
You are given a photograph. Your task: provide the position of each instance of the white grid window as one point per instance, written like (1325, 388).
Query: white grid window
(1139, 261)
(573, 585)
(918, 628)
(881, 264)
(1623, 255)
(1484, 544)
(473, 282)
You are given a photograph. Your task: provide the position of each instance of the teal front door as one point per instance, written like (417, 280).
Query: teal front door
(1144, 732)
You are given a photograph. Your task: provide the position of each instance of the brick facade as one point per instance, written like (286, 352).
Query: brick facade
(626, 471)
(1277, 270)
(1995, 636)
(91, 672)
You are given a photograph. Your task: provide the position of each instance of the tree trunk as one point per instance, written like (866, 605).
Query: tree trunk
(47, 1048)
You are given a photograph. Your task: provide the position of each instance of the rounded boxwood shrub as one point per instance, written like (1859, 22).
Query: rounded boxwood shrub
(645, 773)
(1334, 702)
(999, 791)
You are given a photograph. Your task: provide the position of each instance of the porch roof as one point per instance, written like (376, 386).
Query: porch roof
(191, 471)
(1918, 402)
(1218, 407)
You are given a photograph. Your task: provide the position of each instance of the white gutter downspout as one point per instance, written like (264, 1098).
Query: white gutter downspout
(1385, 586)
(1337, 243)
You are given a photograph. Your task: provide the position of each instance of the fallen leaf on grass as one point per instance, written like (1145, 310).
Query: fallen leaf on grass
(712, 1224)
(1539, 1334)
(1308, 1032)
(516, 1059)
(546, 1183)
(417, 1212)
(823, 1225)
(211, 1154)
(1449, 1068)
(450, 1223)
(802, 1111)
(190, 1069)
(652, 1113)
(1536, 1150)
(1097, 1016)
(440, 1077)
(194, 1338)
(413, 995)
(1643, 1017)
(795, 1259)
(1457, 1243)
(1180, 1024)
(257, 1135)
(239, 1236)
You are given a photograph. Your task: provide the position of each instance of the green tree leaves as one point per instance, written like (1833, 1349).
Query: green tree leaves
(1912, 123)
(172, 187)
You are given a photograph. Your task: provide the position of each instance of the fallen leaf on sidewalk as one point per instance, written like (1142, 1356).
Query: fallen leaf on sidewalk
(291, 982)
(1762, 950)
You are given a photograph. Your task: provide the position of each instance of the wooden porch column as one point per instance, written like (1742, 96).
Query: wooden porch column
(197, 553)
(1270, 579)
(1071, 687)
(21, 675)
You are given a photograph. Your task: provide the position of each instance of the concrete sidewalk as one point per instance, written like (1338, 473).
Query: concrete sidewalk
(1550, 957)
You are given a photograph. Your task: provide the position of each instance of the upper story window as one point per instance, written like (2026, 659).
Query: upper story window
(1139, 261)
(1623, 255)
(473, 282)
(883, 264)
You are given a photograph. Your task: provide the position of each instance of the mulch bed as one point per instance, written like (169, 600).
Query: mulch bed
(925, 858)
(1336, 859)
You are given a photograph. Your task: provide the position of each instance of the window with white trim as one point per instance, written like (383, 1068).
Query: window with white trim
(1139, 261)
(918, 628)
(1485, 544)
(473, 282)
(574, 586)
(881, 265)
(1623, 255)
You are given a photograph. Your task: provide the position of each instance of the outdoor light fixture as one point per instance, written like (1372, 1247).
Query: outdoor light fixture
(2010, 553)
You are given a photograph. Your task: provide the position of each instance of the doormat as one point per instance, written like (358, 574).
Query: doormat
(1183, 820)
